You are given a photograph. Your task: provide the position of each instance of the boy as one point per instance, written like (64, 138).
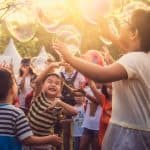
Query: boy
(46, 107)
(77, 129)
(14, 127)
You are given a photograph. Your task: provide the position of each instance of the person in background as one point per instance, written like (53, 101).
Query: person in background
(14, 126)
(72, 79)
(106, 103)
(77, 129)
(29, 97)
(91, 121)
(25, 75)
(129, 126)
(104, 98)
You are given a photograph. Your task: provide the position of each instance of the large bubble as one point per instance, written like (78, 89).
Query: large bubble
(114, 30)
(70, 36)
(50, 13)
(21, 25)
(92, 9)
(42, 61)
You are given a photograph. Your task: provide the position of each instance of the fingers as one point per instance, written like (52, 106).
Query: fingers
(57, 139)
(5, 66)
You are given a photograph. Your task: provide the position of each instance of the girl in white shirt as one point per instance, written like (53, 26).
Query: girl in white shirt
(129, 127)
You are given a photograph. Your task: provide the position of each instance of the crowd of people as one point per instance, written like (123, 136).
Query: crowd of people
(76, 104)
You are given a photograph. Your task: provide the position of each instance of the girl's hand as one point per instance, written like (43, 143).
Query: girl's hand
(62, 48)
(56, 64)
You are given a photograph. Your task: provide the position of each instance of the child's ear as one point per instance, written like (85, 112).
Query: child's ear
(134, 34)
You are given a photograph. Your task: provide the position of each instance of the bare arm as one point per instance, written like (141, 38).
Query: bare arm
(110, 73)
(92, 98)
(68, 109)
(35, 140)
(95, 92)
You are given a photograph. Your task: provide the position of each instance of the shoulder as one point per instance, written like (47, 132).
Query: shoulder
(13, 110)
(133, 62)
(133, 56)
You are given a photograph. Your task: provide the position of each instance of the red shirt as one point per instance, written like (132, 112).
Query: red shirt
(106, 114)
(16, 102)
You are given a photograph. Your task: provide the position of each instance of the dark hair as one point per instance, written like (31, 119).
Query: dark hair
(104, 91)
(33, 77)
(26, 62)
(140, 20)
(30, 71)
(6, 82)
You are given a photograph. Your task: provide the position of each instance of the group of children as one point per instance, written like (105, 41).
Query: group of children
(40, 99)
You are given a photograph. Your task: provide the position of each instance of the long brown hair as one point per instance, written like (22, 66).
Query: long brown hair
(140, 21)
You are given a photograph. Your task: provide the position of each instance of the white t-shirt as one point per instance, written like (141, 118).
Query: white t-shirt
(77, 130)
(92, 122)
(131, 98)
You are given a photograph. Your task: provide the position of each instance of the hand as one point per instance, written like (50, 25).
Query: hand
(61, 47)
(55, 140)
(55, 104)
(91, 83)
(6, 67)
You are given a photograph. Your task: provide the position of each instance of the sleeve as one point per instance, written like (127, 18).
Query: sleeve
(23, 129)
(129, 63)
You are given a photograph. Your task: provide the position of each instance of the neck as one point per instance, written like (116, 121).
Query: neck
(7, 101)
(135, 46)
(78, 104)
(52, 98)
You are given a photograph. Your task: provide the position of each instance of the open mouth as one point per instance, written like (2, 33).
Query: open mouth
(52, 89)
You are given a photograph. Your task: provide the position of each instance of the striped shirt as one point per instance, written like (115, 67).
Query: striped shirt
(42, 122)
(14, 127)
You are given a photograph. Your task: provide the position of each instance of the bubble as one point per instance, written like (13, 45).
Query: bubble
(38, 64)
(21, 25)
(92, 9)
(50, 14)
(115, 31)
(70, 36)
(42, 61)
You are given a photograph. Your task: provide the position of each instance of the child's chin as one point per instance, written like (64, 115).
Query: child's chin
(52, 94)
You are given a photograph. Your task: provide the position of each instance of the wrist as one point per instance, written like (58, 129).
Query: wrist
(68, 57)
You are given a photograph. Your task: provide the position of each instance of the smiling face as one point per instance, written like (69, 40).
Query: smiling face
(52, 86)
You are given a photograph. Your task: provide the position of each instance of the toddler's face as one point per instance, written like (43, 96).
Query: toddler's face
(52, 86)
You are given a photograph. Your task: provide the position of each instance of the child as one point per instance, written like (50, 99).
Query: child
(104, 99)
(46, 107)
(14, 127)
(129, 126)
(77, 130)
(106, 103)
